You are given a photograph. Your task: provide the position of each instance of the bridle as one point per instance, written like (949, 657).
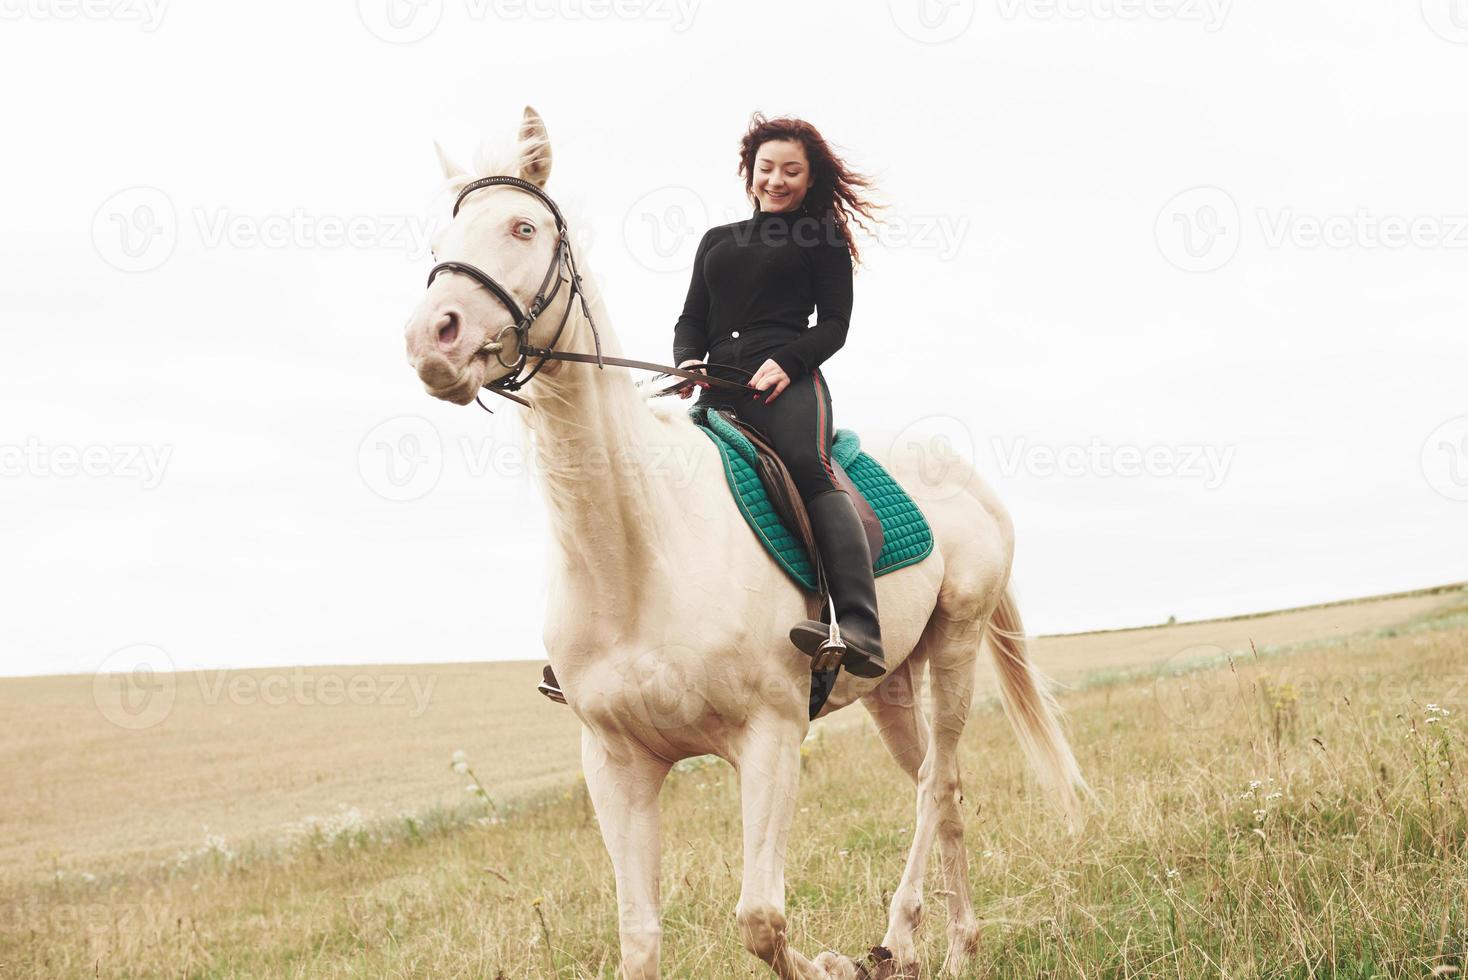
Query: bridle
(562, 263)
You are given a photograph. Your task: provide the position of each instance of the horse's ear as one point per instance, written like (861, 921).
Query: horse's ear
(451, 170)
(535, 154)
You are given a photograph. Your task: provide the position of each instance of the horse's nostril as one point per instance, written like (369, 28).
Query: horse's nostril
(448, 330)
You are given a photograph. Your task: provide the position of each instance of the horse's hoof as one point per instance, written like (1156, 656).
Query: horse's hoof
(838, 967)
(879, 965)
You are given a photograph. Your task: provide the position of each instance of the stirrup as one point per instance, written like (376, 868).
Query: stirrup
(831, 651)
(550, 687)
(828, 655)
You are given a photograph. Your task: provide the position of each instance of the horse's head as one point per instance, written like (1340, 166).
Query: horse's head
(461, 336)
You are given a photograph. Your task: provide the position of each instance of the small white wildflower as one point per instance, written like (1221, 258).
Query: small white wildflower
(1254, 784)
(1172, 874)
(459, 756)
(461, 767)
(1433, 721)
(843, 853)
(1259, 815)
(1274, 796)
(471, 788)
(988, 854)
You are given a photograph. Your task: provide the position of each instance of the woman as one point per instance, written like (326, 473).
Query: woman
(753, 288)
(754, 285)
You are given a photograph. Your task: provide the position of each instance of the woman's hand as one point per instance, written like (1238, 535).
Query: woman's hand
(686, 392)
(770, 375)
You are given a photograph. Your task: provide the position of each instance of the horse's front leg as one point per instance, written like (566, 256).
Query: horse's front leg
(769, 778)
(624, 781)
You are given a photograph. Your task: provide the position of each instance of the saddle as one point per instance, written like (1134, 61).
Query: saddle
(897, 532)
(785, 496)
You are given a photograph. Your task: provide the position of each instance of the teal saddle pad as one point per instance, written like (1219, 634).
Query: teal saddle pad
(907, 537)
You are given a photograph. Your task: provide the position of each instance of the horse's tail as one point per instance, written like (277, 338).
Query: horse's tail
(1025, 693)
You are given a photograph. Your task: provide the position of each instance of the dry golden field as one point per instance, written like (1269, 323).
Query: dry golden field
(1293, 811)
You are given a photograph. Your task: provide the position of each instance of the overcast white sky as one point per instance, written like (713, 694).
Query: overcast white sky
(1184, 229)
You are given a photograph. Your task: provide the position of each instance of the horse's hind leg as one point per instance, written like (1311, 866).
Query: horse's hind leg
(951, 649)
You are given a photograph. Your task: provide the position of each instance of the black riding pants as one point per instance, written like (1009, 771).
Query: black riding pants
(797, 424)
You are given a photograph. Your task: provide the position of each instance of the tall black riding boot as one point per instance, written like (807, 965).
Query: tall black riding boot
(847, 559)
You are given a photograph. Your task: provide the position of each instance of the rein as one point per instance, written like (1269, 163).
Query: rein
(562, 262)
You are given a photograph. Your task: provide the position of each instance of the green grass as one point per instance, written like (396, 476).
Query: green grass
(1349, 858)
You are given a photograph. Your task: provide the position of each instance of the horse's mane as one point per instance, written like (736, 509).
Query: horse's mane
(502, 157)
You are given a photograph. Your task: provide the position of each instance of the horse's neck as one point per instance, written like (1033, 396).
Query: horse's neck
(593, 434)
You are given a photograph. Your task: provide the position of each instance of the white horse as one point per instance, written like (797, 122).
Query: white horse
(668, 622)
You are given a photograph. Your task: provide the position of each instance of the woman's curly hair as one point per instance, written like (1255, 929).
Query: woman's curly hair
(833, 185)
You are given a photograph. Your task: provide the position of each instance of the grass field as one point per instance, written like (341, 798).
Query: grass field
(1295, 809)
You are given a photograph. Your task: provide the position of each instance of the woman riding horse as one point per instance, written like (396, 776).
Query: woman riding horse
(755, 283)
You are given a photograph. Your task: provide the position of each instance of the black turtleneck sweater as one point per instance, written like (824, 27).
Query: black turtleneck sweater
(754, 285)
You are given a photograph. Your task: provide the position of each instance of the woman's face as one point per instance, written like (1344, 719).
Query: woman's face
(781, 175)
